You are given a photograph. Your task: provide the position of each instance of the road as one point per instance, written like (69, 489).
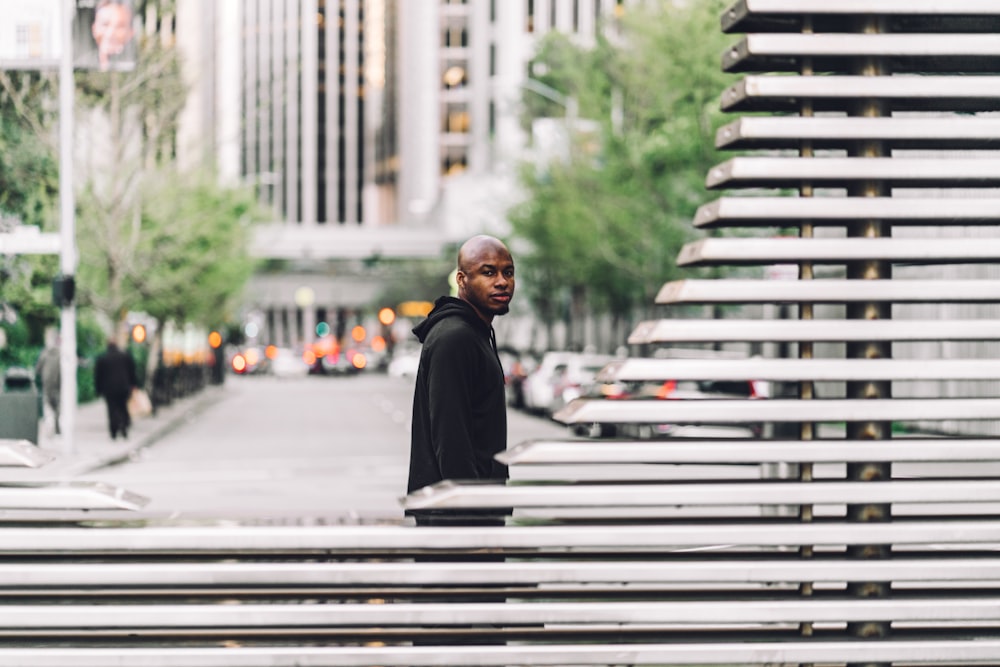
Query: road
(330, 449)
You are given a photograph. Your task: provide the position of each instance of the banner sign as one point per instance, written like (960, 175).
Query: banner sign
(103, 35)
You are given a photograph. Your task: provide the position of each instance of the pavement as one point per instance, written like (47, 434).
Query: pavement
(91, 447)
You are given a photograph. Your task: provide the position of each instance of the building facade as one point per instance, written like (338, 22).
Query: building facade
(370, 128)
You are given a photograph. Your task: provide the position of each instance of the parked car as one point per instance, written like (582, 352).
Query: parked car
(516, 367)
(576, 378)
(404, 363)
(538, 386)
(559, 378)
(285, 362)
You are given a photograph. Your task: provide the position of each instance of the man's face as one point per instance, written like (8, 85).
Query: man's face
(487, 281)
(112, 28)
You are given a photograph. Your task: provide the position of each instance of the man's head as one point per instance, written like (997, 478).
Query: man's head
(486, 276)
(112, 29)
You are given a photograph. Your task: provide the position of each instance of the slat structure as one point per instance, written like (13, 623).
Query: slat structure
(835, 540)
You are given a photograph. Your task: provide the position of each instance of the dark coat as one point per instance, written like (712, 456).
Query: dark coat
(114, 373)
(459, 404)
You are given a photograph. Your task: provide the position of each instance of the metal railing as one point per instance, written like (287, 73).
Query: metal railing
(878, 549)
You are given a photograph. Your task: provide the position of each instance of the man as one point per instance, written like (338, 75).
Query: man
(112, 31)
(49, 375)
(459, 408)
(114, 379)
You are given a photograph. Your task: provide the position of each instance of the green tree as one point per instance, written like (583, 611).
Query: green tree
(607, 224)
(29, 184)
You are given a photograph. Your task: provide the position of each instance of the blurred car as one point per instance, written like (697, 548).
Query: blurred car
(575, 378)
(559, 378)
(674, 390)
(516, 367)
(404, 363)
(538, 386)
(285, 363)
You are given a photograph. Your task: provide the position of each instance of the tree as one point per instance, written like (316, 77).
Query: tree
(29, 184)
(608, 224)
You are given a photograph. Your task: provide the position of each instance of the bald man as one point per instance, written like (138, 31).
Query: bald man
(459, 405)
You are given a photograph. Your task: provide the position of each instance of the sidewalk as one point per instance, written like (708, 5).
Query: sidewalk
(92, 446)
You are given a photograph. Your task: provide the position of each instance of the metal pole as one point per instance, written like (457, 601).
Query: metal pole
(870, 270)
(67, 231)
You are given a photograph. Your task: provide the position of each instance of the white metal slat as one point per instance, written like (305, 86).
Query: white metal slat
(762, 251)
(819, 330)
(924, 651)
(794, 370)
(792, 211)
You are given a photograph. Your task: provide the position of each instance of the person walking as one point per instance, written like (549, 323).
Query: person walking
(115, 379)
(49, 374)
(459, 406)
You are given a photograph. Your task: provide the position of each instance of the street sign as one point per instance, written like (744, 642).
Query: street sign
(29, 241)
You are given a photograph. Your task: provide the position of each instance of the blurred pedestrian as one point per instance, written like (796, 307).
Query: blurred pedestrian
(459, 406)
(49, 374)
(115, 379)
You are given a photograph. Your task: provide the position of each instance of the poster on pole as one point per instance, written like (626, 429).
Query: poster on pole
(104, 35)
(30, 34)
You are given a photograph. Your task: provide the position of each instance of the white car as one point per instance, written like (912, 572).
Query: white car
(404, 364)
(288, 363)
(539, 385)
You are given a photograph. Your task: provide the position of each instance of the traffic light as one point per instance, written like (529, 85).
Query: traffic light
(63, 290)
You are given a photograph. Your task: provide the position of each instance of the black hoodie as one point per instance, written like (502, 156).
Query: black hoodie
(459, 405)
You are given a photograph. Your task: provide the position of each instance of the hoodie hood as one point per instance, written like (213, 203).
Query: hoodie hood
(449, 306)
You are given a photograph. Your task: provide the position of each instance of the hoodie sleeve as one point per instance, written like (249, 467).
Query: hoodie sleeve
(451, 374)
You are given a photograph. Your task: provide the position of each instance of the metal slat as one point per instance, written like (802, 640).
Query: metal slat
(945, 651)
(778, 172)
(81, 619)
(794, 370)
(758, 251)
(22, 453)
(331, 540)
(749, 411)
(455, 495)
(924, 15)
(792, 211)
(790, 331)
(545, 452)
(73, 495)
(829, 291)
(16, 578)
(838, 52)
(841, 93)
(950, 131)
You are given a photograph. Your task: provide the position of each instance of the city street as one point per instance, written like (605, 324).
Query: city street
(324, 448)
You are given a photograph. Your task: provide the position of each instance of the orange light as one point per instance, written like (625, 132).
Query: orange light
(239, 363)
(359, 361)
(378, 344)
(139, 333)
(415, 308)
(214, 340)
(358, 333)
(252, 356)
(387, 316)
(309, 357)
(271, 351)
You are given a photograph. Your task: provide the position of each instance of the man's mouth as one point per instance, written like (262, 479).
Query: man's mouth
(501, 297)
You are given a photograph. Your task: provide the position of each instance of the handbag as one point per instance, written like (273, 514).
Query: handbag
(139, 404)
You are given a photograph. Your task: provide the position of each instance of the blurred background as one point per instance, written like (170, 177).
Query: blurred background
(256, 179)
